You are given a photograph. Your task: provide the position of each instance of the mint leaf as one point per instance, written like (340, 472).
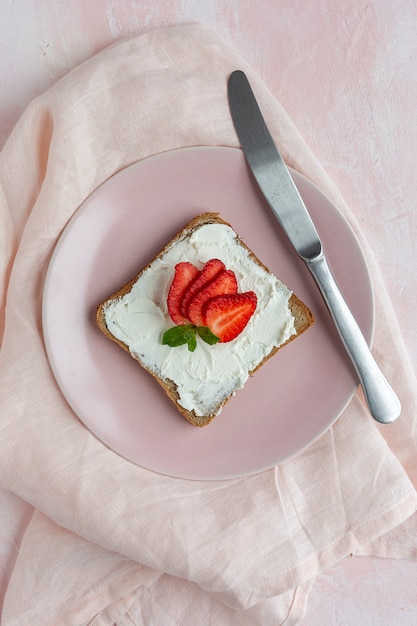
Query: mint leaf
(206, 335)
(180, 335)
(187, 334)
(192, 342)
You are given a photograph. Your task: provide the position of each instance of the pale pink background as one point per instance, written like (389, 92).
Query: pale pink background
(346, 72)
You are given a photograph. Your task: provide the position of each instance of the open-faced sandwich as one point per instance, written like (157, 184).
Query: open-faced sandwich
(203, 316)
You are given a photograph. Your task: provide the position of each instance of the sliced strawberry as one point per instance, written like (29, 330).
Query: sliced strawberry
(184, 275)
(209, 271)
(227, 315)
(224, 282)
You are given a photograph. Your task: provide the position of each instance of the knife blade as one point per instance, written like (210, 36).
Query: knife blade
(280, 192)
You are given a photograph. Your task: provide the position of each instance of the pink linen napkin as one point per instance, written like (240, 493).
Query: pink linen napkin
(111, 542)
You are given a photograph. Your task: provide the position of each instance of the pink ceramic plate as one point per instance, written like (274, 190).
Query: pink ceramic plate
(289, 402)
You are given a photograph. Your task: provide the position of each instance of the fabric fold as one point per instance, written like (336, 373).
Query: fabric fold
(241, 548)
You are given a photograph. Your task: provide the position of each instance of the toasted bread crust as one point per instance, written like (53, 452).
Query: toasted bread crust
(303, 317)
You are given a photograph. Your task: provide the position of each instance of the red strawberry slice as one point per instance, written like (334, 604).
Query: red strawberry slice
(223, 283)
(227, 315)
(184, 275)
(209, 271)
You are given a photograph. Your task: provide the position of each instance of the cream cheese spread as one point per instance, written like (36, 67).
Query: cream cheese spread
(207, 376)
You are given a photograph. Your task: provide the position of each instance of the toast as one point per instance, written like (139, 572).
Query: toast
(213, 357)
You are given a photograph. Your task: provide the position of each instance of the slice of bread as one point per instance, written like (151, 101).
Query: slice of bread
(190, 383)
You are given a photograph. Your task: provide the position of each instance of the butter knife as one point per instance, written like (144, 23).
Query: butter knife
(280, 192)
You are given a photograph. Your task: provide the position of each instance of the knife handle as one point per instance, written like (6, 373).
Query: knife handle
(382, 401)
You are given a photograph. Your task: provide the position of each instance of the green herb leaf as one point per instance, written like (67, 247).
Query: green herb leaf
(206, 335)
(192, 343)
(180, 335)
(187, 334)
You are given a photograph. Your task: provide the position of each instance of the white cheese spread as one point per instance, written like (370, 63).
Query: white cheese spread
(210, 374)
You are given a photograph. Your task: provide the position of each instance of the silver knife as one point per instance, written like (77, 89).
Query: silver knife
(280, 192)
